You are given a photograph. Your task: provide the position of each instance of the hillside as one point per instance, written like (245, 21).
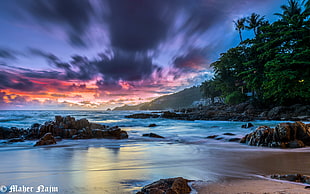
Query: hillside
(182, 99)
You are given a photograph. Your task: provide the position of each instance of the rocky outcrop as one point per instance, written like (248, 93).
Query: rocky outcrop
(242, 112)
(10, 133)
(154, 135)
(65, 127)
(47, 139)
(69, 127)
(167, 186)
(284, 135)
(292, 177)
(142, 116)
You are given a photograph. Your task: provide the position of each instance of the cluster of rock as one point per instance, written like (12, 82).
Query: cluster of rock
(63, 127)
(177, 185)
(292, 177)
(284, 135)
(241, 112)
(68, 127)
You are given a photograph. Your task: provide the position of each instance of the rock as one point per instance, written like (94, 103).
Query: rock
(152, 125)
(16, 140)
(236, 139)
(229, 134)
(167, 186)
(142, 116)
(292, 177)
(69, 127)
(219, 138)
(248, 125)
(284, 135)
(212, 136)
(47, 139)
(295, 144)
(152, 135)
(10, 133)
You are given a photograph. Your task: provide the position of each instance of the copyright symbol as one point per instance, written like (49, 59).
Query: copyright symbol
(3, 189)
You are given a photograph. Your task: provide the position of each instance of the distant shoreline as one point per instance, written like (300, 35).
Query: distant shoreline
(244, 112)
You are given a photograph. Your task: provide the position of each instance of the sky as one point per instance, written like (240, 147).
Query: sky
(99, 54)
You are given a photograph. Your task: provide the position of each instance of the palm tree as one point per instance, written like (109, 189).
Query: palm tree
(239, 25)
(306, 3)
(255, 20)
(290, 11)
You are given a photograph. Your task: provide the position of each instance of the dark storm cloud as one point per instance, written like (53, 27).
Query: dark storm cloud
(193, 60)
(125, 66)
(74, 16)
(79, 68)
(140, 25)
(8, 53)
(11, 81)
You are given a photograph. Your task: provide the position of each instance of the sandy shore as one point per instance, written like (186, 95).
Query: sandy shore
(249, 186)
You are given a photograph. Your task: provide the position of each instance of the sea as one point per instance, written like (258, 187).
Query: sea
(125, 166)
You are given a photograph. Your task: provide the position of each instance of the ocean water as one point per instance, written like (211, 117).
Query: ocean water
(124, 166)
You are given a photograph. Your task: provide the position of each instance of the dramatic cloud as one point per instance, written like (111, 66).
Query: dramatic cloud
(194, 60)
(103, 50)
(74, 16)
(13, 81)
(79, 68)
(8, 54)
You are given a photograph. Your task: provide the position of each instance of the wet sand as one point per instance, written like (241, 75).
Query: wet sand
(249, 186)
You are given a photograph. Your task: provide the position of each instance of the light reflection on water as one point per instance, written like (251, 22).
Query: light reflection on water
(98, 166)
(124, 166)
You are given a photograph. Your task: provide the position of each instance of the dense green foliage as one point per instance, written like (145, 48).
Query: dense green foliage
(273, 68)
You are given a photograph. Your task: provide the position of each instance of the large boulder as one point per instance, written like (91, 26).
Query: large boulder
(47, 139)
(167, 186)
(69, 127)
(285, 135)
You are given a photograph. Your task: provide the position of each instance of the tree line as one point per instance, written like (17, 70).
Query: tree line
(273, 67)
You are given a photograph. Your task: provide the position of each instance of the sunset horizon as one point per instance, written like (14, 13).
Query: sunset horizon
(102, 54)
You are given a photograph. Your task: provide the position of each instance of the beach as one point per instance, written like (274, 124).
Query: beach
(250, 187)
(126, 165)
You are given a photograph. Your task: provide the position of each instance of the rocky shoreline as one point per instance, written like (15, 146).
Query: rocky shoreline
(61, 128)
(242, 112)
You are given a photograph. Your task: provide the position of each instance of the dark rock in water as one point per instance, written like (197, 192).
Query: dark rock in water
(152, 125)
(142, 116)
(295, 144)
(284, 135)
(292, 177)
(47, 139)
(236, 139)
(212, 136)
(167, 186)
(219, 138)
(14, 140)
(230, 134)
(69, 127)
(248, 125)
(10, 133)
(152, 135)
